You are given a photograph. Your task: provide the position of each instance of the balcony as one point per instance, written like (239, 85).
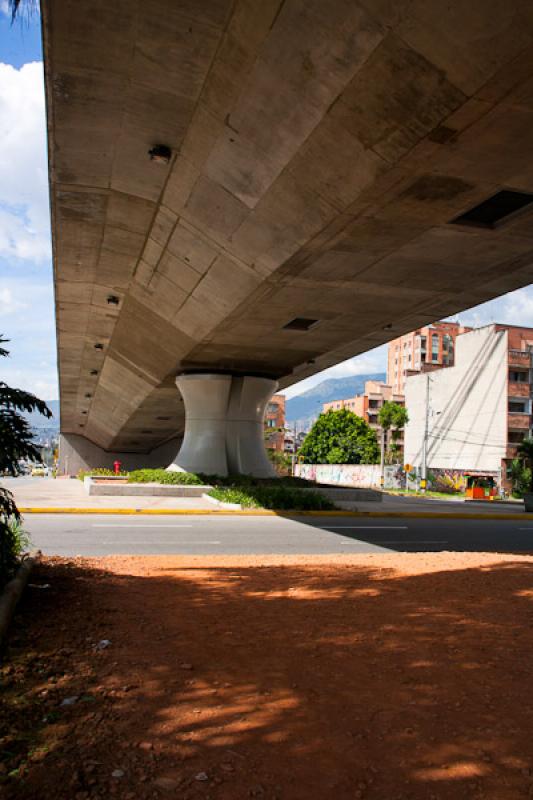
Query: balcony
(518, 422)
(518, 389)
(519, 358)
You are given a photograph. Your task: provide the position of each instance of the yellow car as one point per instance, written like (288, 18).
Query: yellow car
(39, 471)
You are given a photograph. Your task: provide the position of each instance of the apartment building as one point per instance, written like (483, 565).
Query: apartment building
(423, 350)
(479, 410)
(368, 404)
(274, 423)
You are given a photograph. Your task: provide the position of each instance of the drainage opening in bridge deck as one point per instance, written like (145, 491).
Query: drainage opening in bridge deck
(495, 210)
(300, 324)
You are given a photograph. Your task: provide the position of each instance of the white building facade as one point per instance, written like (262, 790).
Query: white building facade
(466, 407)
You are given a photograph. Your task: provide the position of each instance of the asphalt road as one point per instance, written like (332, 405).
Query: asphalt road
(96, 535)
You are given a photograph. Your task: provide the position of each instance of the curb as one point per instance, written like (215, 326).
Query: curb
(13, 592)
(280, 513)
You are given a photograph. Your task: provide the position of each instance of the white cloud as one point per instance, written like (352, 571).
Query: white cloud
(514, 308)
(24, 213)
(27, 321)
(8, 304)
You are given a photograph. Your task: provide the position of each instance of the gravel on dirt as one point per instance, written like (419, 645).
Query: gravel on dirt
(382, 677)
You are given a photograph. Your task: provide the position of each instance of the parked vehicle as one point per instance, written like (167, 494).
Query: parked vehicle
(39, 471)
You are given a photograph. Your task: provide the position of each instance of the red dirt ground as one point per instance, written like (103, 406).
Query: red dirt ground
(384, 677)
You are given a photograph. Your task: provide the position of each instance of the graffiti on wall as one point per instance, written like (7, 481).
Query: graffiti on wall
(360, 475)
(450, 481)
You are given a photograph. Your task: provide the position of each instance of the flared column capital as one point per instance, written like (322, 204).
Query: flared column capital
(224, 424)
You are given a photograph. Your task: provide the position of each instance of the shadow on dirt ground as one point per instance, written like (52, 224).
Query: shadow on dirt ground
(289, 682)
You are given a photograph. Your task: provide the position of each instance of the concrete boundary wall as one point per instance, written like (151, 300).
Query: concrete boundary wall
(360, 475)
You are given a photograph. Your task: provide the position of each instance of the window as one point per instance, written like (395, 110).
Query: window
(517, 407)
(518, 376)
(434, 347)
(515, 437)
(271, 423)
(372, 403)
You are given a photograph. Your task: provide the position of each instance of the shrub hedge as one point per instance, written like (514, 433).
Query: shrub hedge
(99, 472)
(14, 541)
(162, 476)
(282, 498)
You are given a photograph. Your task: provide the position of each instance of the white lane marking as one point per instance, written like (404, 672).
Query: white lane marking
(364, 527)
(412, 541)
(142, 525)
(151, 542)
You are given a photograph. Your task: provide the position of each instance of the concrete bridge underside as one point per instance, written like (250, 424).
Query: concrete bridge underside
(320, 152)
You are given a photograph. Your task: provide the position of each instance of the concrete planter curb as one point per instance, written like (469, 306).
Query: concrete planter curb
(13, 592)
(106, 488)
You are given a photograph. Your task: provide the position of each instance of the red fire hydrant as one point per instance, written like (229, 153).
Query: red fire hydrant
(117, 465)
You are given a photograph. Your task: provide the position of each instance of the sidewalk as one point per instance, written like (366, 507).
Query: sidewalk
(49, 493)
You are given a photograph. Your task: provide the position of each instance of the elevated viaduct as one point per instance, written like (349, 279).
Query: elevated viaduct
(244, 193)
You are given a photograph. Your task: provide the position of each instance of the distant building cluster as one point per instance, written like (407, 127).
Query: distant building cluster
(423, 350)
(275, 423)
(277, 435)
(468, 394)
(472, 416)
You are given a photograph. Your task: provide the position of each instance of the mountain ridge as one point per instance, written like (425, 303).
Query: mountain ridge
(304, 408)
(37, 420)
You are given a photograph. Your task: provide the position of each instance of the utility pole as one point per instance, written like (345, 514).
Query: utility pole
(423, 482)
(293, 447)
(382, 464)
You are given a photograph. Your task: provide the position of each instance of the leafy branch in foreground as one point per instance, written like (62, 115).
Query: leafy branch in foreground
(16, 443)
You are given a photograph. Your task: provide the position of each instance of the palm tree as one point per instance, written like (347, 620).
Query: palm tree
(29, 7)
(392, 415)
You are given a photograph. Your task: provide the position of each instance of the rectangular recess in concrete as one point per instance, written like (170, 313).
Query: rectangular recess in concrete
(300, 324)
(495, 210)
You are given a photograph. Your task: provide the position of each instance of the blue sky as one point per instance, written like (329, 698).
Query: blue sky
(26, 287)
(26, 290)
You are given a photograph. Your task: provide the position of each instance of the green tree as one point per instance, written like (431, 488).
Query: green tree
(16, 442)
(340, 437)
(525, 454)
(520, 477)
(392, 416)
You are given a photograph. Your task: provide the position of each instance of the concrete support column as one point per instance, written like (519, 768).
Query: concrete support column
(224, 425)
